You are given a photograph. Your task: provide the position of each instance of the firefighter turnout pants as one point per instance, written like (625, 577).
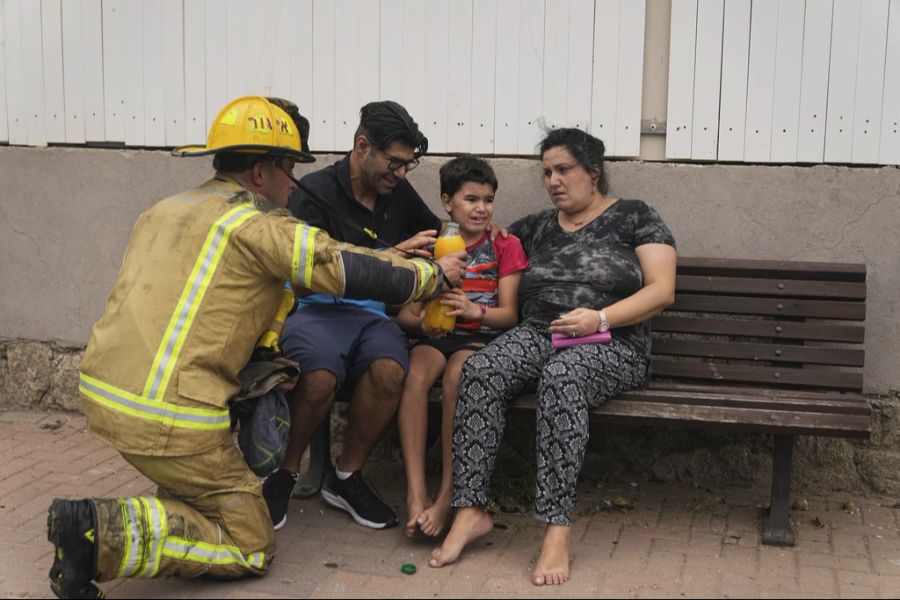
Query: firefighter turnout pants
(209, 519)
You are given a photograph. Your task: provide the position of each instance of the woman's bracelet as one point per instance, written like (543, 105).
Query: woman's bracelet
(603, 327)
(483, 312)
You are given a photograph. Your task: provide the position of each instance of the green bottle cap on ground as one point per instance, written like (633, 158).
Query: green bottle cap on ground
(409, 569)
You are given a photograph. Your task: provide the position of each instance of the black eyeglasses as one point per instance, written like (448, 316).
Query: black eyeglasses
(394, 163)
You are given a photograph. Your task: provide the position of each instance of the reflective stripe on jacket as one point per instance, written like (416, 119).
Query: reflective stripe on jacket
(200, 282)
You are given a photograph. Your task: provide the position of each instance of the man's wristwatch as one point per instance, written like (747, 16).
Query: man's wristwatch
(604, 323)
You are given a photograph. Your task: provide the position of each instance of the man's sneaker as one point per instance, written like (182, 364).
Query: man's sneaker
(357, 496)
(277, 490)
(71, 527)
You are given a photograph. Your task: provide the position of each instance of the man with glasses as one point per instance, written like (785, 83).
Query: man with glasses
(340, 343)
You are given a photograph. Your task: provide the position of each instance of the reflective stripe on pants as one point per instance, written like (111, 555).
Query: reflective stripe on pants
(211, 519)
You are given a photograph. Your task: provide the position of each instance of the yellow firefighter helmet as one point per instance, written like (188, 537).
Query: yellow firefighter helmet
(256, 125)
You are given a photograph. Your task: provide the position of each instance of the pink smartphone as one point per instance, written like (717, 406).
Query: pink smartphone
(561, 340)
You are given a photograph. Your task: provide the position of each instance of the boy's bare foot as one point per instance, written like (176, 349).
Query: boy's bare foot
(470, 524)
(414, 509)
(553, 564)
(434, 518)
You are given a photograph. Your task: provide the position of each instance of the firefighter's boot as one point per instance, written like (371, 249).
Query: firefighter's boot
(71, 527)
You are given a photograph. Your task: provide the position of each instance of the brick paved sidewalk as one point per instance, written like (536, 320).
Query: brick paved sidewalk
(676, 541)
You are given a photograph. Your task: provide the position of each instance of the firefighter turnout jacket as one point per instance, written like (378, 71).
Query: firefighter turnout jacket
(200, 282)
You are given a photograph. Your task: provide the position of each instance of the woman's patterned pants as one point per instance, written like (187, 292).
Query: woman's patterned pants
(569, 382)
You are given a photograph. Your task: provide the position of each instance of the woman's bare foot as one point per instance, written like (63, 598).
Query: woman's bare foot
(433, 519)
(414, 509)
(553, 564)
(470, 524)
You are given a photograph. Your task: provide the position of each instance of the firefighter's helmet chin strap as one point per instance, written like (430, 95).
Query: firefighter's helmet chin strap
(278, 159)
(288, 173)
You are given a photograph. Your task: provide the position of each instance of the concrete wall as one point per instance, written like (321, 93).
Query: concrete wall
(66, 215)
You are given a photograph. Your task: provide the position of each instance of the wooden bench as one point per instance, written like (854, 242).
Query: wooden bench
(772, 347)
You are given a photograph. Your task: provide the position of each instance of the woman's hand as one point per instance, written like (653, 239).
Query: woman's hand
(576, 323)
(461, 306)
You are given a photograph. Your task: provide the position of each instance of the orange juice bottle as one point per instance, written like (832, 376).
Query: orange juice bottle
(435, 312)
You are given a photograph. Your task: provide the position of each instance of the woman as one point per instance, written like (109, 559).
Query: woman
(596, 262)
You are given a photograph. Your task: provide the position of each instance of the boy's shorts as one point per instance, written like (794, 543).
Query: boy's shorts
(454, 342)
(345, 340)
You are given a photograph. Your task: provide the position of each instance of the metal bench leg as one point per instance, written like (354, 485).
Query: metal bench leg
(319, 460)
(777, 529)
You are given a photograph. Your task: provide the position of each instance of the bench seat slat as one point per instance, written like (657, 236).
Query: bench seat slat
(778, 376)
(777, 307)
(730, 267)
(630, 412)
(849, 397)
(771, 287)
(738, 419)
(820, 332)
(848, 357)
(820, 405)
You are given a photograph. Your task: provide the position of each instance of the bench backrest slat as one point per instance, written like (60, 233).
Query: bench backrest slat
(778, 376)
(776, 353)
(772, 287)
(773, 324)
(784, 330)
(782, 307)
(739, 267)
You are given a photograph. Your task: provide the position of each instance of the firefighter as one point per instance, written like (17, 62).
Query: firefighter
(200, 282)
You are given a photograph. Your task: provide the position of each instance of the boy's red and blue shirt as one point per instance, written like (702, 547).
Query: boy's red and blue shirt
(489, 261)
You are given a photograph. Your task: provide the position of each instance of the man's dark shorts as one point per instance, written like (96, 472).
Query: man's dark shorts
(345, 340)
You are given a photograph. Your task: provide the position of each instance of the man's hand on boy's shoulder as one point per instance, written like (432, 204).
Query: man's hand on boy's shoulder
(496, 230)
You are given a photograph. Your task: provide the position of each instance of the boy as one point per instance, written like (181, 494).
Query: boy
(485, 305)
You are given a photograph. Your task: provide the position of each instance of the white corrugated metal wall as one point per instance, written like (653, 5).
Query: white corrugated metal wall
(805, 81)
(749, 80)
(481, 76)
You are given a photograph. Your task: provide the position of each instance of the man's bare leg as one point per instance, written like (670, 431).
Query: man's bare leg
(471, 523)
(374, 403)
(425, 366)
(553, 564)
(309, 401)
